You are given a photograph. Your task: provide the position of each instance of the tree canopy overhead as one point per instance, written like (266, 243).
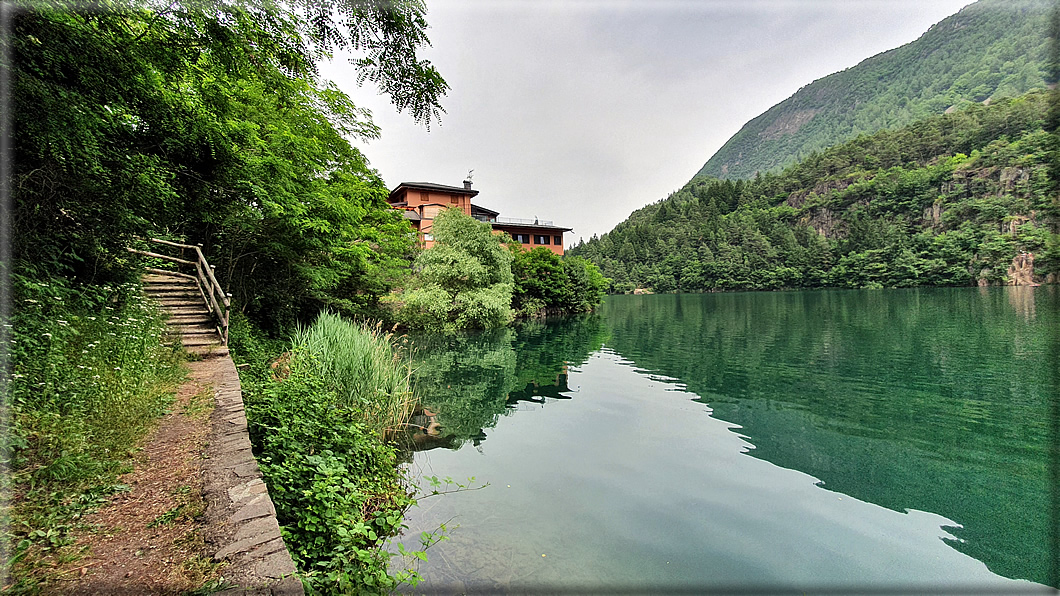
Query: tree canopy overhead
(207, 122)
(389, 34)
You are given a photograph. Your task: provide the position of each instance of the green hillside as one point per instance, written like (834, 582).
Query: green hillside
(956, 199)
(988, 50)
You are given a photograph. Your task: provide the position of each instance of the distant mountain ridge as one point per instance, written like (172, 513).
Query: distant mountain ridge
(958, 199)
(990, 49)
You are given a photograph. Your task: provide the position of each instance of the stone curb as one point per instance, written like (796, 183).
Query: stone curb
(241, 517)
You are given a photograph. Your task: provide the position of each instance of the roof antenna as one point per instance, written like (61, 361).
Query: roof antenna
(467, 181)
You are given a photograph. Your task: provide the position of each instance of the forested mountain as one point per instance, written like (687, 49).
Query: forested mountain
(988, 50)
(954, 199)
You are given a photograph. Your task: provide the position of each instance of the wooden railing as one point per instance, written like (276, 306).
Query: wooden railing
(217, 301)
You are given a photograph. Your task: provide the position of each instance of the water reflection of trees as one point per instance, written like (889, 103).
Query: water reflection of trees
(466, 381)
(929, 399)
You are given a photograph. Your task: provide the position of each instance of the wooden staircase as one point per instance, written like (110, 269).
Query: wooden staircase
(196, 306)
(187, 314)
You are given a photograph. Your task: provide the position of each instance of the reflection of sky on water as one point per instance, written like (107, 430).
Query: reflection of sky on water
(632, 483)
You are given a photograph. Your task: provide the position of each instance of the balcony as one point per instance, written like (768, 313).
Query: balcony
(517, 220)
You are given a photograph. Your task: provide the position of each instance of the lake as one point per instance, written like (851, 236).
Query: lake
(822, 440)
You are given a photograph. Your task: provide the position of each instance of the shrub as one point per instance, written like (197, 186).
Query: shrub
(319, 433)
(336, 487)
(463, 281)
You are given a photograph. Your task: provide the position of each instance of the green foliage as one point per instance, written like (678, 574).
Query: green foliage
(389, 34)
(463, 281)
(209, 123)
(989, 50)
(89, 377)
(317, 421)
(949, 200)
(336, 486)
(359, 365)
(540, 281)
(545, 282)
(586, 285)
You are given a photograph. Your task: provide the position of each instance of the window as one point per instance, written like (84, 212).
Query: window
(454, 199)
(522, 238)
(558, 240)
(541, 239)
(424, 197)
(428, 237)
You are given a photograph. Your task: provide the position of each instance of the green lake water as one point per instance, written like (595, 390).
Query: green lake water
(864, 440)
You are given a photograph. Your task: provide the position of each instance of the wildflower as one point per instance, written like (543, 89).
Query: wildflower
(91, 318)
(80, 366)
(62, 322)
(117, 368)
(31, 301)
(95, 376)
(46, 334)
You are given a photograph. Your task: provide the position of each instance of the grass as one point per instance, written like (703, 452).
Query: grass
(359, 363)
(321, 419)
(90, 375)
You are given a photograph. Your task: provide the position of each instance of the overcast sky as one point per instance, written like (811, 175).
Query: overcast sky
(582, 111)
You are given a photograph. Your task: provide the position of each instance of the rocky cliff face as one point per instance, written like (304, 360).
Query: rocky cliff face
(1021, 271)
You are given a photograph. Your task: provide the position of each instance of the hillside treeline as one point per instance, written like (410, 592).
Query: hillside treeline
(988, 50)
(949, 200)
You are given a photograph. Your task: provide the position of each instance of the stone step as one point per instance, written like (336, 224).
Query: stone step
(156, 277)
(155, 287)
(196, 330)
(190, 318)
(177, 303)
(200, 340)
(198, 309)
(207, 352)
(194, 296)
(166, 287)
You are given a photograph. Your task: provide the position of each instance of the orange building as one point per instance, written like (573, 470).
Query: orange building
(422, 201)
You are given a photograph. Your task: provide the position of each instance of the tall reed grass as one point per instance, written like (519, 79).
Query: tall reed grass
(321, 420)
(361, 365)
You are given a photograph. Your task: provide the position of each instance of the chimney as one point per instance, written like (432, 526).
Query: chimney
(467, 184)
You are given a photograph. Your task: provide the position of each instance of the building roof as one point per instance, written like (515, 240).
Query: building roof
(529, 226)
(479, 210)
(435, 187)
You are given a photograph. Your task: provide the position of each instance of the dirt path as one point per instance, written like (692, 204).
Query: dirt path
(149, 540)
